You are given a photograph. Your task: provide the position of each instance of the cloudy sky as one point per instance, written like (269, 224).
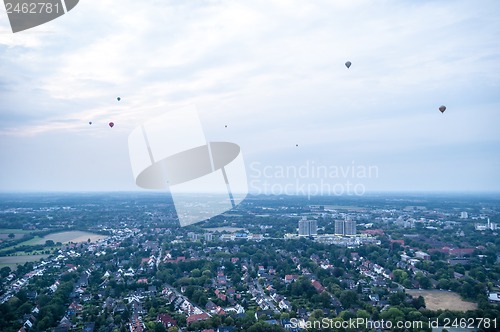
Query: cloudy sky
(271, 71)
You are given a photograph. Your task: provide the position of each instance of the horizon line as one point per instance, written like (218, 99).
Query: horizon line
(371, 192)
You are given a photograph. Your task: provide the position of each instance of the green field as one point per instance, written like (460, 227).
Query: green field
(71, 236)
(31, 242)
(63, 237)
(4, 233)
(12, 261)
(13, 230)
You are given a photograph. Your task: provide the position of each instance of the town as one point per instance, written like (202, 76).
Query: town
(274, 263)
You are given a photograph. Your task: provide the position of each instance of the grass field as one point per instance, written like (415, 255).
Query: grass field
(436, 299)
(63, 237)
(13, 230)
(12, 261)
(4, 233)
(71, 236)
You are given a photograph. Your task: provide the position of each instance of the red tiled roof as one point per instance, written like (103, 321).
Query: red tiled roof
(197, 317)
(166, 320)
(318, 286)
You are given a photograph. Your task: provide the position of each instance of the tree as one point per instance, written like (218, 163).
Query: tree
(362, 314)
(400, 275)
(424, 282)
(5, 271)
(228, 321)
(264, 327)
(393, 314)
(44, 323)
(24, 308)
(348, 298)
(196, 273)
(159, 327)
(397, 298)
(12, 235)
(418, 303)
(317, 314)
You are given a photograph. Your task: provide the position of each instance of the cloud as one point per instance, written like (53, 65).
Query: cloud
(273, 70)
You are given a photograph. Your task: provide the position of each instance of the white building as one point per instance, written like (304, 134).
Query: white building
(307, 227)
(345, 227)
(494, 297)
(489, 225)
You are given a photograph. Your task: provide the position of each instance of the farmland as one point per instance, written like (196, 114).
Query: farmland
(71, 236)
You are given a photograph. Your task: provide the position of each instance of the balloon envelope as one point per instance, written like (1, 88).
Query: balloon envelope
(118, 98)
(442, 108)
(348, 64)
(90, 122)
(111, 124)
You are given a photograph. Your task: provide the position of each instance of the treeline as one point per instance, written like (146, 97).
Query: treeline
(29, 248)
(11, 243)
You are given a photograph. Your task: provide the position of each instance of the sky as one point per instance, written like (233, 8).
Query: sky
(268, 76)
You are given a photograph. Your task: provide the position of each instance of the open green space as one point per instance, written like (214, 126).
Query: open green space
(63, 237)
(30, 242)
(13, 261)
(71, 236)
(442, 300)
(18, 233)
(13, 230)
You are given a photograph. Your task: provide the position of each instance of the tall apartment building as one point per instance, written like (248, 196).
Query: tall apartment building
(339, 227)
(350, 227)
(345, 227)
(308, 227)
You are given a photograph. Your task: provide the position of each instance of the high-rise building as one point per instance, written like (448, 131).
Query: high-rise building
(308, 227)
(339, 227)
(464, 215)
(345, 227)
(350, 227)
(313, 227)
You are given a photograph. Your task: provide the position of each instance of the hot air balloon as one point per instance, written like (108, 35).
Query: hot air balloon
(118, 98)
(90, 122)
(225, 126)
(296, 145)
(442, 108)
(111, 124)
(348, 64)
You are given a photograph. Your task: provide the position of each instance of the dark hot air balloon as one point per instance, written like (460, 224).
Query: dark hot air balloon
(348, 64)
(111, 124)
(442, 108)
(118, 98)
(90, 122)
